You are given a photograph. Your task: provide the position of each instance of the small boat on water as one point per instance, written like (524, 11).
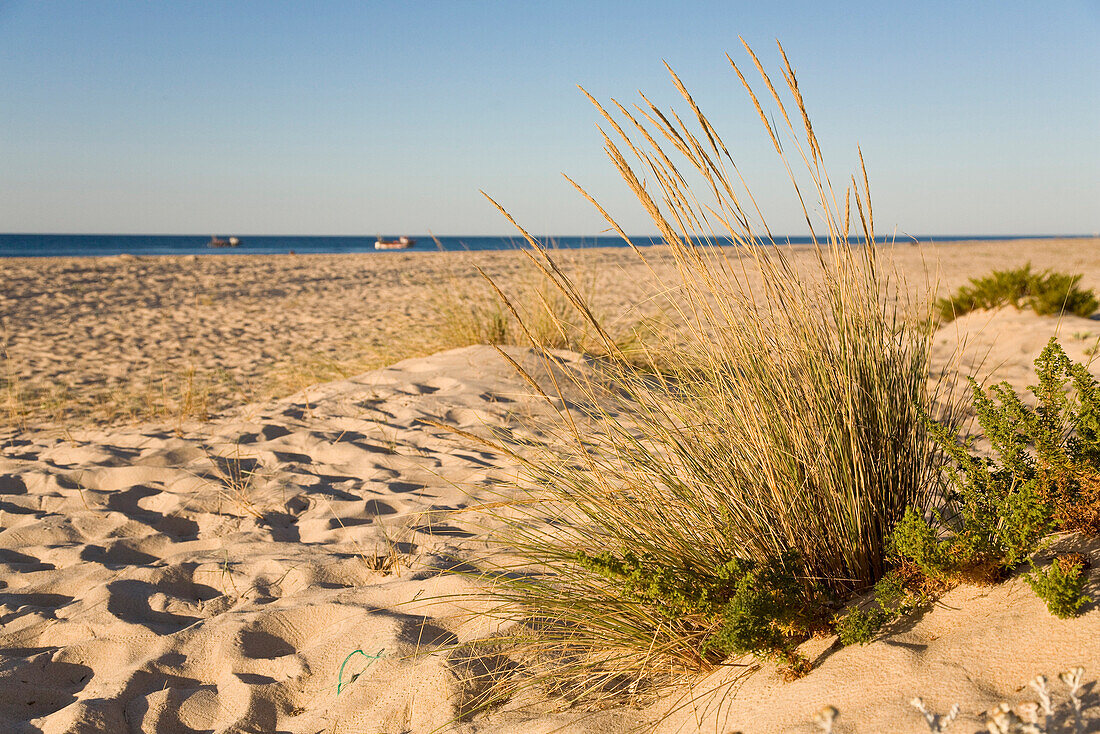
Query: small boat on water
(231, 242)
(401, 243)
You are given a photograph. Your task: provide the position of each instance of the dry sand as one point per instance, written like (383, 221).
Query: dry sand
(214, 576)
(109, 340)
(94, 341)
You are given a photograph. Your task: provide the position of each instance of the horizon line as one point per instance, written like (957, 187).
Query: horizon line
(823, 235)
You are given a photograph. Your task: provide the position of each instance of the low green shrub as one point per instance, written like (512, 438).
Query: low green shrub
(892, 600)
(739, 607)
(915, 539)
(859, 626)
(1061, 586)
(1044, 476)
(1045, 293)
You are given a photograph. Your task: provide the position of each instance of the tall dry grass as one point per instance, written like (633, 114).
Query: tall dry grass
(176, 395)
(782, 426)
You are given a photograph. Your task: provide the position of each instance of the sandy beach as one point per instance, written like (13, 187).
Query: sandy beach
(335, 397)
(222, 508)
(107, 341)
(111, 340)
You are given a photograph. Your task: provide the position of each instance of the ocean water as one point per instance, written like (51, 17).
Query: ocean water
(99, 245)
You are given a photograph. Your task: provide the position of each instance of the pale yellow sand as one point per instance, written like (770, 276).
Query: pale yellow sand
(140, 584)
(94, 340)
(214, 576)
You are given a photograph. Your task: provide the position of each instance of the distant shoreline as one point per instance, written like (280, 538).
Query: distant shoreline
(96, 245)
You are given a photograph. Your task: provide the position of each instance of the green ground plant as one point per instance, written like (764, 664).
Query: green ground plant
(1044, 292)
(742, 607)
(1042, 477)
(1061, 586)
(724, 491)
(894, 597)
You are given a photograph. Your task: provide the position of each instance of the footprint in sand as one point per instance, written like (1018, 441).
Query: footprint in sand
(39, 685)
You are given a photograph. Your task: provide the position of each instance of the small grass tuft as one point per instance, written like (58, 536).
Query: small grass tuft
(471, 311)
(15, 408)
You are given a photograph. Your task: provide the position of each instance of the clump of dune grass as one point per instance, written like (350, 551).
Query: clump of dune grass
(724, 489)
(1045, 293)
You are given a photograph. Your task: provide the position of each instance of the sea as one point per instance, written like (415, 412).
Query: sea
(103, 245)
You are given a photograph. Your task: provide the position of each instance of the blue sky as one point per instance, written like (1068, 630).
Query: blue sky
(388, 117)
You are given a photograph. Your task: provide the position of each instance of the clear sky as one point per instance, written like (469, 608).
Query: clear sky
(388, 117)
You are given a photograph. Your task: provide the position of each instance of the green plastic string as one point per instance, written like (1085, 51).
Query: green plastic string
(340, 675)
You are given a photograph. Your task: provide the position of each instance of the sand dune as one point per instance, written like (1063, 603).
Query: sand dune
(231, 575)
(216, 579)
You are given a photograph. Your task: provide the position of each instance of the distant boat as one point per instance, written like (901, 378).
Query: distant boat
(401, 243)
(231, 242)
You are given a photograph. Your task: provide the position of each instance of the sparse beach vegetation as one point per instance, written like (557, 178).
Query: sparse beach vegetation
(726, 492)
(177, 394)
(173, 397)
(730, 492)
(1046, 292)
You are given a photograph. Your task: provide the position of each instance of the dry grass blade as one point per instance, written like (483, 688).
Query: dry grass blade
(237, 477)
